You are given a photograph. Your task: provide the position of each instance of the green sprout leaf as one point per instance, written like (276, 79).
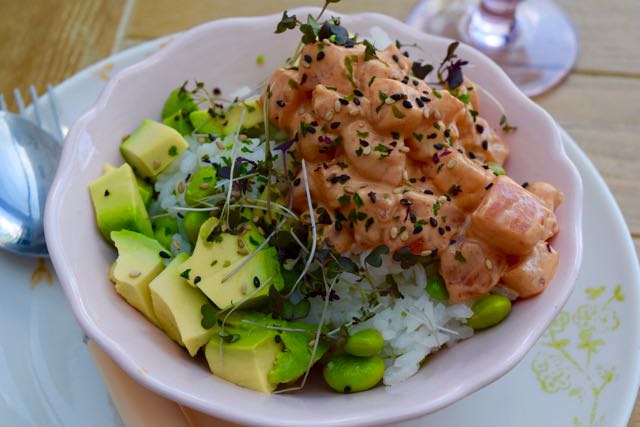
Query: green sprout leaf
(209, 316)
(286, 23)
(374, 258)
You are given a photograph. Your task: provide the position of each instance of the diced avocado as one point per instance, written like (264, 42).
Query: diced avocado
(177, 307)
(203, 122)
(118, 204)
(253, 116)
(217, 254)
(192, 222)
(139, 262)
(180, 122)
(145, 188)
(164, 227)
(179, 100)
(496, 169)
(152, 147)
(201, 185)
(258, 356)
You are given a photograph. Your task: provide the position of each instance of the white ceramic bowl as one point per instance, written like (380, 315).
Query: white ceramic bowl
(223, 53)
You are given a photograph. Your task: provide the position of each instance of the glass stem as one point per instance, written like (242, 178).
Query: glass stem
(492, 24)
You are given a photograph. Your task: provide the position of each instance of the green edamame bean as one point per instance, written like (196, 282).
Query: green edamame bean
(201, 185)
(489, 311)
(367, 342)
(192, 222)
(436, 287)
(346, 374)
(164, 228)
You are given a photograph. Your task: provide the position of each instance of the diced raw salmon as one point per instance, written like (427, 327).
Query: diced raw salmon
(534, 273)
(550, 195)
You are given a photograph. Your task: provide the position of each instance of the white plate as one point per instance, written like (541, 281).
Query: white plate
(584, 372)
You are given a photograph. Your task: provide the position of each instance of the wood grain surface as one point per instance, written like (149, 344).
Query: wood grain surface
(598, 104)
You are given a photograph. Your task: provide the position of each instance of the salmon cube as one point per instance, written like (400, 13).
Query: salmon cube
(534, 273)
(547, 193)
(461, 179)
(511, 219)
(470, 269)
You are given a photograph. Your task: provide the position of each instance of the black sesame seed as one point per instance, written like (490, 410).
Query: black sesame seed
(424, 98)
(308, 59)
(334, 125)
(397, 96)
(357, 92)
(311, 129)
(438, 146)
(472, 155)
(405, 53)
(447, 133)
(395, 135)
(485, 144)
(356, 101)
(489, 186)
(407, 104)
(417, 229)
(427, 191)
(395, 57)
(256, 282)
(441, 231)
(419, 102)
(393, 143)
(372, 196)
(338, 226)
(320, 56)
(364, 143)
(405, 202)
(433, 222)
(412, 180)
(525, 184)
(343, 101)
(323, 149)
(277, 339)
(432, 136)
(479, 128)
(164, 255)
(280, 103)
(415, 82)
(314, 123)
(197, 280)
(106, 193)
(485, 167)
(216, 91)
(296, 181)
(446, 227)
(452, 241)
(180, 215)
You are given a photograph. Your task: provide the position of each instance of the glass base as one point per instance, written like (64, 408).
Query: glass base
(540, 52)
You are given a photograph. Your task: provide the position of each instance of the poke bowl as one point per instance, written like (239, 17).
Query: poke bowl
(223, 57)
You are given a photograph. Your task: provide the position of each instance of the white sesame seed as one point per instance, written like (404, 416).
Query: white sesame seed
(255, 219)
(337, 106)
(220, 144)
(312, 343)
(437, 115)
(243, 251)
(404, 149)
(366, 151)
(389, 101)
(426, 253)
(329, 115)
(242, 137)
(395, 74)
(451, 164)
(426, 112)
(488, 263)
(156, 164)
(201, 139)
(442, 198)
(181, 187)
(134, 273)
(326, 42)
(398, 190)
(394, 232)
(204, 186)
(405, 175)
(240, 243)
(176, 244)
(305, 64)
(404, 236)
(353, 110)
(243, 288)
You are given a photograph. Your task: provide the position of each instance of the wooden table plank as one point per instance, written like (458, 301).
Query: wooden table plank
(50, 42)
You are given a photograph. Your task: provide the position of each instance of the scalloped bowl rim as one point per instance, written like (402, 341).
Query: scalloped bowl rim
(65, 271)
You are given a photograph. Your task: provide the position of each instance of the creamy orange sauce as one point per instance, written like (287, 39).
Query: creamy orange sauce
(393, 161)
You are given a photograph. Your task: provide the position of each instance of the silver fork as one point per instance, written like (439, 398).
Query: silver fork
(56, 129)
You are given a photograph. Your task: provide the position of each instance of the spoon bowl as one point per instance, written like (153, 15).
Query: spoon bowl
(30, 157)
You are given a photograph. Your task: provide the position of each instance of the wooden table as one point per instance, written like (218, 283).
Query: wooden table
(46, 41)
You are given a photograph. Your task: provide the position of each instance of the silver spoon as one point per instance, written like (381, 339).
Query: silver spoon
(29, 157)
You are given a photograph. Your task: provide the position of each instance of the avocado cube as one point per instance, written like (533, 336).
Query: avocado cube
(247, 361)
(203, 122)
(253, 116)
(179, 99)
(118, 204)
(139, 262)
(152, 147)
(145, 188)
(215, 257)
(177, 307)
(180, 122)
